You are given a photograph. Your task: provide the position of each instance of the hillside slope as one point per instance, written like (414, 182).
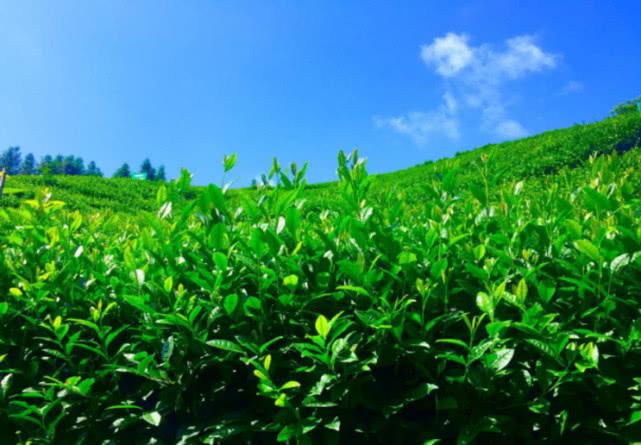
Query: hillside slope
(543, 154)
(85, 193)
(535, 156)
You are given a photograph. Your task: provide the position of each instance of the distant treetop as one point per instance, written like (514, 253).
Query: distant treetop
(123, 171)
(629, 106)
(12, 161)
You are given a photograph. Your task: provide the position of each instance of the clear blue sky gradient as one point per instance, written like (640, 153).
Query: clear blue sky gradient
(183, 82)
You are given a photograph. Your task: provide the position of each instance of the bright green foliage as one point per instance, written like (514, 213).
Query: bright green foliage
(87, 193)
(629, 106)
(484, 305)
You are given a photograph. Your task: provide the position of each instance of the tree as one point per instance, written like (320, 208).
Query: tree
(29, 165)
(93, 170)
(10, 160)
(79, 166)
(629, 106)
(45, 166)
(123, 171)
(67, 165)
(72, 165)
(147, 168)
(57, 165)
(160, 174)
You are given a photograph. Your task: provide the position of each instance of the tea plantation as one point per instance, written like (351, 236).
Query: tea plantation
(494, 297)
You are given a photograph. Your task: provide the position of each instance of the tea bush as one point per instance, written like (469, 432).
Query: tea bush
(503, 309)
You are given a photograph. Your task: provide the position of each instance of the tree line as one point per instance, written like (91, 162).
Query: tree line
(12, 161)
(153, 174)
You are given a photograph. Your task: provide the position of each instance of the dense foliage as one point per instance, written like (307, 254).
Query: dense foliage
(85, 193)
(627, 107)
(481, 303)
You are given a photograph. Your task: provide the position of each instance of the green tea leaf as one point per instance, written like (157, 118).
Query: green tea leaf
(291, 282)
(290, 385)
(355, 289)
(406, 258)
(152, 417)
(229, 161)
(485, 303)
(140, 277)
(230, 303)
(498, 360)
(226, 345)
(588, 249)
(322, 326)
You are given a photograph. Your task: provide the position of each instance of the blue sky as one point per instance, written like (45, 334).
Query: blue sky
(184, 82)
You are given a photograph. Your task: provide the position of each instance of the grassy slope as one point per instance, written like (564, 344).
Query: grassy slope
(86, 193)
(546, 154)
(542, 155)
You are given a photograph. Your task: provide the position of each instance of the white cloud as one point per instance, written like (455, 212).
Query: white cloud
(510, 129)
(450, 54)
(475, 78)
(450, 102)
(521, 57)
(572, 86)
(422, 126)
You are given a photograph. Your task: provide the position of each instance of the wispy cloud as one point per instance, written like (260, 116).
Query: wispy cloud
(571, 87)
(475, 77)
(510, 129)
(421, 126)
(521, 57)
